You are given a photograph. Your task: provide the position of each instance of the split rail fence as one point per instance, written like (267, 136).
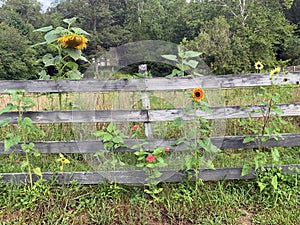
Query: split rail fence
(147, 117)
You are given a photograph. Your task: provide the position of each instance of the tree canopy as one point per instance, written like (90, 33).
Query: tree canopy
(232, 34)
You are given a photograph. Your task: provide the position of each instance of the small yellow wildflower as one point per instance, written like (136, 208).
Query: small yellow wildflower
(73, 40)
(274, 71)
(62, 159)
(258, 65)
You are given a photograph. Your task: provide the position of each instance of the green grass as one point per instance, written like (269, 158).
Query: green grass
(211, 203)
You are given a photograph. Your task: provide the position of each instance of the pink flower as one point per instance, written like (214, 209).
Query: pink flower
(150, 158)
(135, 127)
(167, 149)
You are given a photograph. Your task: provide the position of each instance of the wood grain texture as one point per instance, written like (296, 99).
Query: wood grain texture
(150, 84)
(83, 147)
(137, 177)
(87, 116)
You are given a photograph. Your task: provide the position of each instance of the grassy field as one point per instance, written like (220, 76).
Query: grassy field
(235, 202)
(223, 202)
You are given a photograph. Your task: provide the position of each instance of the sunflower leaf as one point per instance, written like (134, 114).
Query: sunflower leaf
(70, 21)
(192, 54)
(51, 36)
(44, 29)
(74, 75)
(73, 53)
(170, 57)
(78, 30)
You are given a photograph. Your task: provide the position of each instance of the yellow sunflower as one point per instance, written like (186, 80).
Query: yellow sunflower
(274, 71)
(73, 40)
(62, 159)
(198, 94)
(258, 65)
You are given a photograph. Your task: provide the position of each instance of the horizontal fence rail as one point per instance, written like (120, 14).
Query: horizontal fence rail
(138, 177)
(153, 84)
(226, 142)
(87, 116)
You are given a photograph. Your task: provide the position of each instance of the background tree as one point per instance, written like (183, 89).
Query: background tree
(29, 10)
(17, 58)
(233, 34)
(258, 31)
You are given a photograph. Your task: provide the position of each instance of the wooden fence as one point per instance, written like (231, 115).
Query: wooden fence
(146, 116)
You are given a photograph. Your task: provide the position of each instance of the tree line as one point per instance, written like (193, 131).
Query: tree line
(231, 34)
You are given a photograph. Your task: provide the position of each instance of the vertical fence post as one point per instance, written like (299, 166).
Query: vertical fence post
(146, 103)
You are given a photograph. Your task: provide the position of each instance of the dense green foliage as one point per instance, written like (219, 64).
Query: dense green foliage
(233, 35)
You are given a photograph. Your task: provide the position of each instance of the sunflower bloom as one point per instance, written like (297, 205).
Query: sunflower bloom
(62, 159)
(274, 71)
(198, 94)
(258, 65)
(73, 40)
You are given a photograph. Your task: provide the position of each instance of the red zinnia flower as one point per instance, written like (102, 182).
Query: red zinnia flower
(167, 149)
(150, 158)
(135, 127)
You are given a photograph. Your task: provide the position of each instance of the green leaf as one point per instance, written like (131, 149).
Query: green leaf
(24, 164)
(72, 65)
(49, 60)
(51, 36)
(43, 75)
(246, 170)
(192, 54)
(274, 182)
(83, 59)
(44, 29)
(261, 186)
(150, 165)
(36, 153)
(192, 63)
(73, 53)
(110, 128)
(9, 107)
(5, 121)
(157, 174)
(74, 75)
(78, 30)
(248, 139)
(182, 67)
(275, 155)
(38, 44)
(99, 133)
(11, 140)
(37, 171)
(117, 140)
(170, 57)
(26, 122)
(27, 147)
(70, 21)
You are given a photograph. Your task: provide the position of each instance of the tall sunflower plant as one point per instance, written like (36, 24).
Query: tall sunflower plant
(68, 44)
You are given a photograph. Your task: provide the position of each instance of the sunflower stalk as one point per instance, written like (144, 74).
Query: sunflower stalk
(69, 43)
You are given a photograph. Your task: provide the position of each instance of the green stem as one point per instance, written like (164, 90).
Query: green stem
(24, 137)
(266, 118)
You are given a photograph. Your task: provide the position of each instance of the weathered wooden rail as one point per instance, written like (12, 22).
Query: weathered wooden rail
(146, 116)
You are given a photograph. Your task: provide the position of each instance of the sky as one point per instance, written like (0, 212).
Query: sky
(46, 3)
